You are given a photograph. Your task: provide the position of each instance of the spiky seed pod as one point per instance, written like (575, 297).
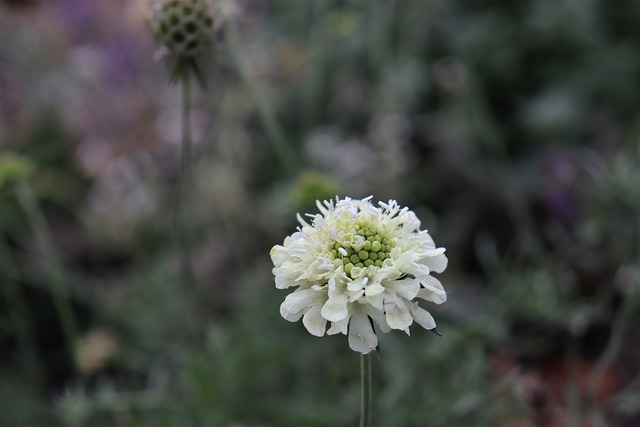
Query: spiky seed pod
(185, 28)
(186, 31)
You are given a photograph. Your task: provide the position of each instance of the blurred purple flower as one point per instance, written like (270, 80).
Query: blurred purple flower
(77, 18)
(119, 51)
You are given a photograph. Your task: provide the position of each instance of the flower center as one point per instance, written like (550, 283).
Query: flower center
(367, 248)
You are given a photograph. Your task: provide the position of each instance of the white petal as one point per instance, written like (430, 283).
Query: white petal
(335, 308)
(383, 274)
(429, 295)
(361, 336)
(326, 266)
(332, 286)
(355, 295)
(297, 301)
(407, 288)
(333, 233)
(427, 239)
(278, 255)
(398, 317)
(314, 322)
(339, 327)
(283, 282)
(374, 289)
(290, 315)
(433, 252)
(376, 301)
(437, 263)
(434, 290)
(302, 221)
(378, 317)
(422, 316)
(355, 285)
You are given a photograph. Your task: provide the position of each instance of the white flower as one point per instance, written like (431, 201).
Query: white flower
(355, 262)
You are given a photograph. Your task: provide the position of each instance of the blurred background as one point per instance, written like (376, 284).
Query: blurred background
(510, 128)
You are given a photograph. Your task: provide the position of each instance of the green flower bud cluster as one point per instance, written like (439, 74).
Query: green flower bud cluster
(312, 185)
(184, 27)
(372, 252)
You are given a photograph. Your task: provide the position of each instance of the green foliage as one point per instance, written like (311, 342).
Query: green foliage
(13, 168)
(311, 186)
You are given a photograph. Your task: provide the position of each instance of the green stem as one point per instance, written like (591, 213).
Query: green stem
(53, 267)
(365, 387)
(181, 210)
(183, 186)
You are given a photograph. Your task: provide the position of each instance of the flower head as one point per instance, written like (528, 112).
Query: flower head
(354, 262)
(184, 27)
(185, 31)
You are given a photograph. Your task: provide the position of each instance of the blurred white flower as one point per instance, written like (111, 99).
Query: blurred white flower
(356, 261)
(95, 350)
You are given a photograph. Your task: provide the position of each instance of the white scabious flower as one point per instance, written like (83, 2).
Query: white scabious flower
(354, 262)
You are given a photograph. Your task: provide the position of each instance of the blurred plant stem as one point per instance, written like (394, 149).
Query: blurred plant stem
(181, 209)
(365, 387)
(283, 150)
(20, 317)
(53, 266)
(181, 202)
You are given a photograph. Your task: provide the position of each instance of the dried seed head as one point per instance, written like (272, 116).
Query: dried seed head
(185, 28)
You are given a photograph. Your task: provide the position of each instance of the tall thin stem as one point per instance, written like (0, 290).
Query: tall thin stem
(183, 186)
(365, 388)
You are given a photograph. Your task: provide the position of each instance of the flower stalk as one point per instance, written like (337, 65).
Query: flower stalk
(365, 390)
(186, 32)
(183, 185)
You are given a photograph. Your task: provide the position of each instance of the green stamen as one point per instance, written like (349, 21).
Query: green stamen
(373, 250)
